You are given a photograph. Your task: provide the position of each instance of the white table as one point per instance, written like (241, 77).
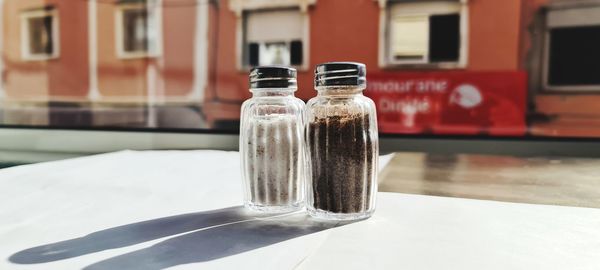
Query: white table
(181, 209)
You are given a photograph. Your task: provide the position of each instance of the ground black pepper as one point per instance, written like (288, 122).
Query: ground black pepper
(341, 162)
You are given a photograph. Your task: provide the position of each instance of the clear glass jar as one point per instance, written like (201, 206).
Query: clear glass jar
(272, 142)
(342, 142)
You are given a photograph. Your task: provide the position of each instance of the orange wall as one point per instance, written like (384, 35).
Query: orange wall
(231, 84)
(65, 78)
(179, 29)
(210, 92)
(341, 31)
(494, 32)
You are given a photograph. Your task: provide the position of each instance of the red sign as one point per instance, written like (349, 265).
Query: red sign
(450, 102)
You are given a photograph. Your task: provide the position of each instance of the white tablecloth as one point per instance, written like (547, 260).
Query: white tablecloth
(181, 209)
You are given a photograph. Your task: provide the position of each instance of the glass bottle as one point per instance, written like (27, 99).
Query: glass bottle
(342, 142)
(272, 142)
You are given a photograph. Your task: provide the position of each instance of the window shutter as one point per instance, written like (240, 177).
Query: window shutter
(296, 52)
(253, 54)
(409, 38)
(444, 38)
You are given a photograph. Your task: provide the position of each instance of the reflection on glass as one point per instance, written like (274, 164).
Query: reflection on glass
(126, 63)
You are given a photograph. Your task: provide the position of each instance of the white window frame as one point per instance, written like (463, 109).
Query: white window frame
(240, 6)
(154, 9)
(26, 54)
(419, 8)
(265, 42)
(567, 16)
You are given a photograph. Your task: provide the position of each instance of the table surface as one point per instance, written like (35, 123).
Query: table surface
(181, 210)
(556, 181)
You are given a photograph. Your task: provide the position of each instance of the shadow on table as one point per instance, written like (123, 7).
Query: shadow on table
(210, 235)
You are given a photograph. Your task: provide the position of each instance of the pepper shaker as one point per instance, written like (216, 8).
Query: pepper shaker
(342, 142)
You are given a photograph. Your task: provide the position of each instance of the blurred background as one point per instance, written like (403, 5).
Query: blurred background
(510, 68)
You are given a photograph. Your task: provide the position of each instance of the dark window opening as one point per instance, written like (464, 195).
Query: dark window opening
(40, 35)
(253, 50)
(135, 30)
(574, 56)
(444, 38)
(296, 53)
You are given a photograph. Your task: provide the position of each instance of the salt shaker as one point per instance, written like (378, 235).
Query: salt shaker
(272, 142)
(342, 142)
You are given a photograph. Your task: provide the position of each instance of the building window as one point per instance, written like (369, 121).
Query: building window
(573, 56)
(424, 33)
(138, 31)
(39, 35)
(572, 61)
(274, 37)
